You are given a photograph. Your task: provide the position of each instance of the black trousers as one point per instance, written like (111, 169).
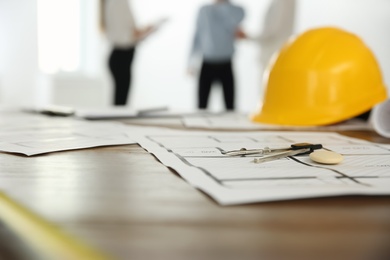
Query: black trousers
(120, 67)
(216, 72)
(221, 72)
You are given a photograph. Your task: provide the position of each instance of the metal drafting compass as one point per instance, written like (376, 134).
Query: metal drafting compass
(270, 154)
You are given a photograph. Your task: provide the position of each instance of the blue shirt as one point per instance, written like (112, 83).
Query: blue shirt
(215, 31)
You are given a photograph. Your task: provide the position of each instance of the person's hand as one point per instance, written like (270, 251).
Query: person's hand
(148, 29)
(240, 34)
(191, 71)
(142, 33)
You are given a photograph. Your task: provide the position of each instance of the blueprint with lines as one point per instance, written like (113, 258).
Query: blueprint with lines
(197, 157)
(30, 134)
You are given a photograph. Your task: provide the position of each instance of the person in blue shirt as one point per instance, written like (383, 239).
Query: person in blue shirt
(217, 28)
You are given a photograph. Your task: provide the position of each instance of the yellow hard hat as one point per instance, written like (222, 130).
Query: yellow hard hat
(323, 76)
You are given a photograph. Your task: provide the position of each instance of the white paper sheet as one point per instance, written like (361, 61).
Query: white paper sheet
(197, 157)
(380, 118)
(118, 112)
(238, 121)
(34, 134)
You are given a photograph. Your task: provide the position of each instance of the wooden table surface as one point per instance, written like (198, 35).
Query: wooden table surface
(122, 201)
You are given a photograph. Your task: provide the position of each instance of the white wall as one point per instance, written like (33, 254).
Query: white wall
(18, 57)
(160, 64)
(369, 19)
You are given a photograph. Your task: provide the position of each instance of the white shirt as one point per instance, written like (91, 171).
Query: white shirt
(119, 23)
(278, 27)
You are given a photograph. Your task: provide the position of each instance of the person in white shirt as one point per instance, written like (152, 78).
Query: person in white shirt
(279, 22)
(123, 34)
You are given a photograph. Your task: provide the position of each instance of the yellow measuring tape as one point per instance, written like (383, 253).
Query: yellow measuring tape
(47, 240)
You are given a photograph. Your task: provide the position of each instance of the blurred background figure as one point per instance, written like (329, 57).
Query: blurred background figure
(217, 26)
(123, 34)
(78, 76)
(278, 26)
